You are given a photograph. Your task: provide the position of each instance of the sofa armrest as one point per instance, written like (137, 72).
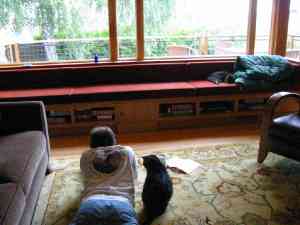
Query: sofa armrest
(23, 116)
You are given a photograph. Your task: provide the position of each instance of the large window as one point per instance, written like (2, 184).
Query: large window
(126, 21)
(46, 30)
(293, 41)
(78, 30)
(263, 26)
(195, 27)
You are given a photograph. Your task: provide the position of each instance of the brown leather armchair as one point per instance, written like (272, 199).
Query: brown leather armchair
(280, 135)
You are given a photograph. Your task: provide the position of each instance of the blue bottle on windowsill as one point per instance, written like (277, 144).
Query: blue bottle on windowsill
(96, 58)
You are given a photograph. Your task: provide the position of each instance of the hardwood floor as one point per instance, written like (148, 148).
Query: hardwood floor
(166, 139)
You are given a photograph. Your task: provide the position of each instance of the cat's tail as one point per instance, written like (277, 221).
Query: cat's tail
(146, 219)
(147, 222)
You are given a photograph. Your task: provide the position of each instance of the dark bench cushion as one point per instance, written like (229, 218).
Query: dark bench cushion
(34, 93)
(89, 74)
(132, 91)
(125, 88)
(204, 87)
(119, 91)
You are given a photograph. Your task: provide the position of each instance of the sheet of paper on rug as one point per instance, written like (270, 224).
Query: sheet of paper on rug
(184, 165)
(59, 164)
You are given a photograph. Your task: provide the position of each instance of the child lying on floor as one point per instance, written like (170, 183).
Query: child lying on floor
(110, 173)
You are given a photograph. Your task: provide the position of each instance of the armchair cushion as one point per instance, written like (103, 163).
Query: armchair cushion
(24, 157)
(287, 127)
(12, 203)
(23, 152)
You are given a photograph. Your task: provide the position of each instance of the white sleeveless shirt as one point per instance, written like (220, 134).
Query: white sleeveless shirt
(120, 182)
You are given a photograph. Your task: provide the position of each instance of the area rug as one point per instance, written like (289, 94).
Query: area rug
(229, 188)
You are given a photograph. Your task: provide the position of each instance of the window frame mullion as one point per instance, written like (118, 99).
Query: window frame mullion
(279, 27)
(251, 33)
(140, 40)
(113, 39)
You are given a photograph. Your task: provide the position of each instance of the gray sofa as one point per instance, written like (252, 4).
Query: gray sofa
(24, 159)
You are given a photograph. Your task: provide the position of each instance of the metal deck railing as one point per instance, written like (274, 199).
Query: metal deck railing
(155, 46)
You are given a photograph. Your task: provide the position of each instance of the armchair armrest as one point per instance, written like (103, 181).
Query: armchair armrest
(272, 104)
(267, 120)
(23, 116)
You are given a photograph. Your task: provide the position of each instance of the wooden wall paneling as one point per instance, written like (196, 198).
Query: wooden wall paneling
(140, 29)
(236, 105)
(279, 27)
(135, 111)
(251, 34)
(137, 116)
(113, 40)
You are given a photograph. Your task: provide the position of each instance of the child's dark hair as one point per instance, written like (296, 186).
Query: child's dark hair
(101, 137)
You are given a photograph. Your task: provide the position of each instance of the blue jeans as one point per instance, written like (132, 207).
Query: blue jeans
(105, 212)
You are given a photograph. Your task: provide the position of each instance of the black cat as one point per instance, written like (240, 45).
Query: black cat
(157, 190)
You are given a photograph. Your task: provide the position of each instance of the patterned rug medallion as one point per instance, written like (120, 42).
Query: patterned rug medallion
(229, 189)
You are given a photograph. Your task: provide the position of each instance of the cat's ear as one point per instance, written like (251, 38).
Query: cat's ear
(152, 157)
(144, 159)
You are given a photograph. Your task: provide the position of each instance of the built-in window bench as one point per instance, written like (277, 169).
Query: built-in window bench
(123, 91)
(134, 97)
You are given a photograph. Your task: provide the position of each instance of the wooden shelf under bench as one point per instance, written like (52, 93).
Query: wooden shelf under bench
(154, 114)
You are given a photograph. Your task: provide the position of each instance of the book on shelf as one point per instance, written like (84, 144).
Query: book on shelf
(102, 111)
(57, 120)
(53, 113)
(95, 114)
(182, 107)
(105, 117)
(58, 117)
(254, 101)
(178, 114)
(83, 115)
(177, 109)
(253, 104)
(219, 106)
